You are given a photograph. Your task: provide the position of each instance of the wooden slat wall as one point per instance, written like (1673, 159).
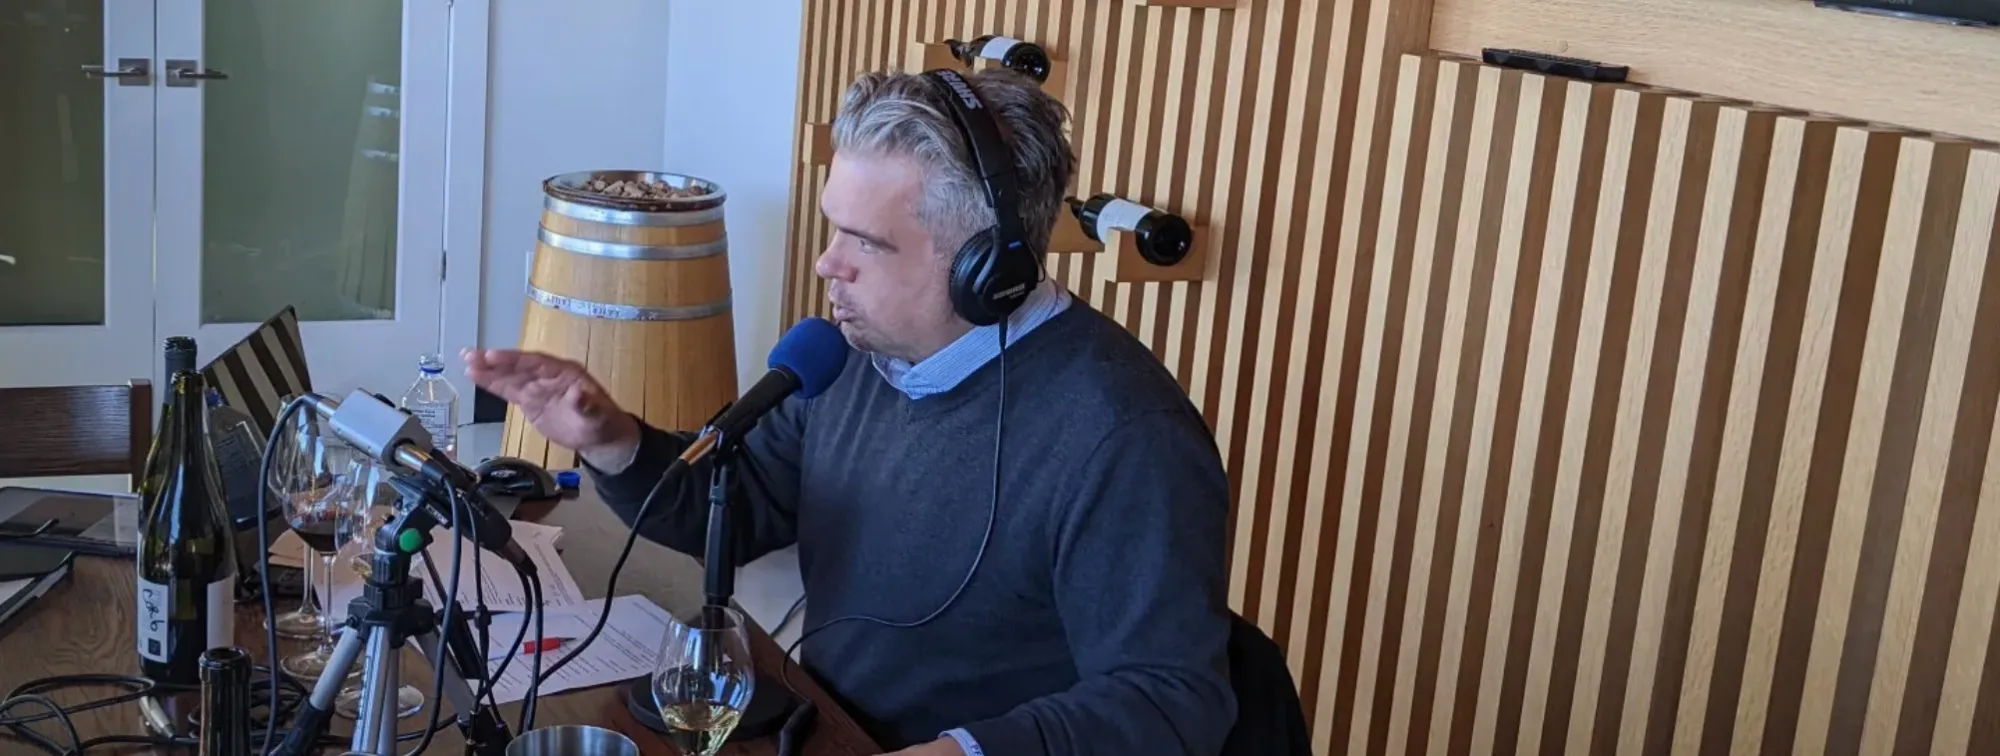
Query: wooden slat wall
(1561, 417)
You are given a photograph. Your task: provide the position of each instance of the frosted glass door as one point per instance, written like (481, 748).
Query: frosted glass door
(76, 192)
(301, 166)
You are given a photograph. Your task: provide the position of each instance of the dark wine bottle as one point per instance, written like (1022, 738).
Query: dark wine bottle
(1163, 238)
(180, 355)
(180, 352)
(1025, 58)
(225, 702)
(186, 549)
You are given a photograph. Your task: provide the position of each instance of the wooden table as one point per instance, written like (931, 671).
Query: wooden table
(85, 625)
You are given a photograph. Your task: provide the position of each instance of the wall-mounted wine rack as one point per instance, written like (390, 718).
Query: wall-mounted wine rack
(1559, 416)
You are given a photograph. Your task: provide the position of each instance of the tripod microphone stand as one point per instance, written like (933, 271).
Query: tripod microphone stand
(390, 613)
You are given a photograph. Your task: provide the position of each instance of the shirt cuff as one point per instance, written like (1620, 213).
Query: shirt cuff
(965, 742)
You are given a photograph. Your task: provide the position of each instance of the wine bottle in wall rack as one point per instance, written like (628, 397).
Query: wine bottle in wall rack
(1026, 58)
(1162, 238)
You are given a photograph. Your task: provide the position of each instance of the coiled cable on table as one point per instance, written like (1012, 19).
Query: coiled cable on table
(36, 693)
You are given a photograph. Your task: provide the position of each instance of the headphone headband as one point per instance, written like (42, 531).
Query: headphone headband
(991, 158)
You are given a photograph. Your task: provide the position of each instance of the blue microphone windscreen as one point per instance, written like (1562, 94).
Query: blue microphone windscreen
(814, 351)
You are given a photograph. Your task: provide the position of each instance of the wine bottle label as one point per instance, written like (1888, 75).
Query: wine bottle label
(156, 615)
(154, 605)
(997, 47)
(1120, 215)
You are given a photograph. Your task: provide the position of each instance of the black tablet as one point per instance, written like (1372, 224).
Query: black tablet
(102, 524)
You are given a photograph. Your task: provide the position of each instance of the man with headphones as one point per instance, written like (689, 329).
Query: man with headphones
(1011, 520)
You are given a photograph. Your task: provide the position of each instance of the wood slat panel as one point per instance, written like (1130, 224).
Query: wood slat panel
(1560, 416)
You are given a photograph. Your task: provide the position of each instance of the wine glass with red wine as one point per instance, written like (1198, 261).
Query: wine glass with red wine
(321, 508)
(296, 471)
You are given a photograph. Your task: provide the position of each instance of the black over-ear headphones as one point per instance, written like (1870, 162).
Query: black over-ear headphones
(997, 268)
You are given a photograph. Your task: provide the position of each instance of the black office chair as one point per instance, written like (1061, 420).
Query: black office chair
(1270, 720)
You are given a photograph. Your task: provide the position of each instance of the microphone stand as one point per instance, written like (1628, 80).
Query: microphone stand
(770, 702)
(390, 613)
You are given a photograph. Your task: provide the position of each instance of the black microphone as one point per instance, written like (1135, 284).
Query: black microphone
(806, 361)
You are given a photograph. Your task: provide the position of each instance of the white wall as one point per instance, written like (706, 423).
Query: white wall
(732, 92)
(571, 86)
(700, 87)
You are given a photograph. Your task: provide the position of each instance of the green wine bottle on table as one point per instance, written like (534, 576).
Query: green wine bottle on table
(179, 356)
(187, 547)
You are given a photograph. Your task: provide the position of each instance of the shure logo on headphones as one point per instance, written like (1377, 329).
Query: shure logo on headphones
(1011, 291)
(964, 92)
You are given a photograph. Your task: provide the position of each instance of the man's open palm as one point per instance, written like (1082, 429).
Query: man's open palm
(556, 396)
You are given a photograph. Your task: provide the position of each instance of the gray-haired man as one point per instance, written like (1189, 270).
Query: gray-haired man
(1096, 620)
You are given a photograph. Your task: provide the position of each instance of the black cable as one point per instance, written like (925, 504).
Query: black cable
(69, 727)
(534, 675)
(438, 659)
(790, 614)
(142, 687)
(992, 516)
(264, 563)
(480, 618)
(611, 585)
(519, 636)
(139, 687)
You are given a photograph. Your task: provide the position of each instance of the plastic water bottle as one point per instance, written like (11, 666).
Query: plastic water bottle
(435, 404)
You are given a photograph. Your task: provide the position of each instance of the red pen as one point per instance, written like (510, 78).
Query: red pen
(547, 645)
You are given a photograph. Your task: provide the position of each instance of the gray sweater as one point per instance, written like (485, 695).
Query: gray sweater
(1097, 622)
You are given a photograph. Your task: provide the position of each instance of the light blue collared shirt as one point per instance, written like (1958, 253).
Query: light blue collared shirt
(951, 365)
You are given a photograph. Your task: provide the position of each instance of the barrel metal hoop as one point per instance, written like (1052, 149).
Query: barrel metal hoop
(631, 217)
(634, 251)
(603, 311)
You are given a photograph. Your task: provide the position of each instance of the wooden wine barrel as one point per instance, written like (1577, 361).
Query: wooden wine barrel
(636, 289)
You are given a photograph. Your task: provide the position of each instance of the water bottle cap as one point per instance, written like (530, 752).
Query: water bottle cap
(568, 479)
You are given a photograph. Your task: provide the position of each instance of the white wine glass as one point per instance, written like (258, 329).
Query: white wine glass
(367, 487)
(704, 680)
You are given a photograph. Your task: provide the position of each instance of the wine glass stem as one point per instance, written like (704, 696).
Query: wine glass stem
(326, 617)
(309, 603)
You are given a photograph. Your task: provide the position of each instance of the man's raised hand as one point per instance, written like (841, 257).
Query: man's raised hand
(561, 400)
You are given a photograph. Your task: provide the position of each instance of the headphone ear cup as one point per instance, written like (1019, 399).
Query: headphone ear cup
(972, 279)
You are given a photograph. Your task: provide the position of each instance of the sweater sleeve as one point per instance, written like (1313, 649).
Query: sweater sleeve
(764, 487)
(1140, 581)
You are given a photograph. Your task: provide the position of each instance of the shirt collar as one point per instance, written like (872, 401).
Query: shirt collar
(951, 365)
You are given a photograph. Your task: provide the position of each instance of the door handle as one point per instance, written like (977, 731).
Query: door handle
(187, 73)
(131, 72)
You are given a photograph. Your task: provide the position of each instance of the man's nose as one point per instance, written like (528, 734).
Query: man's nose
(831, 265)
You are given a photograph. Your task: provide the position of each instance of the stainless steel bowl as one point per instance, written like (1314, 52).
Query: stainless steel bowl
(572, 740)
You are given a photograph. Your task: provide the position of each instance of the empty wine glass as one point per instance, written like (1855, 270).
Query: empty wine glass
(367, 488)
(704, 680)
